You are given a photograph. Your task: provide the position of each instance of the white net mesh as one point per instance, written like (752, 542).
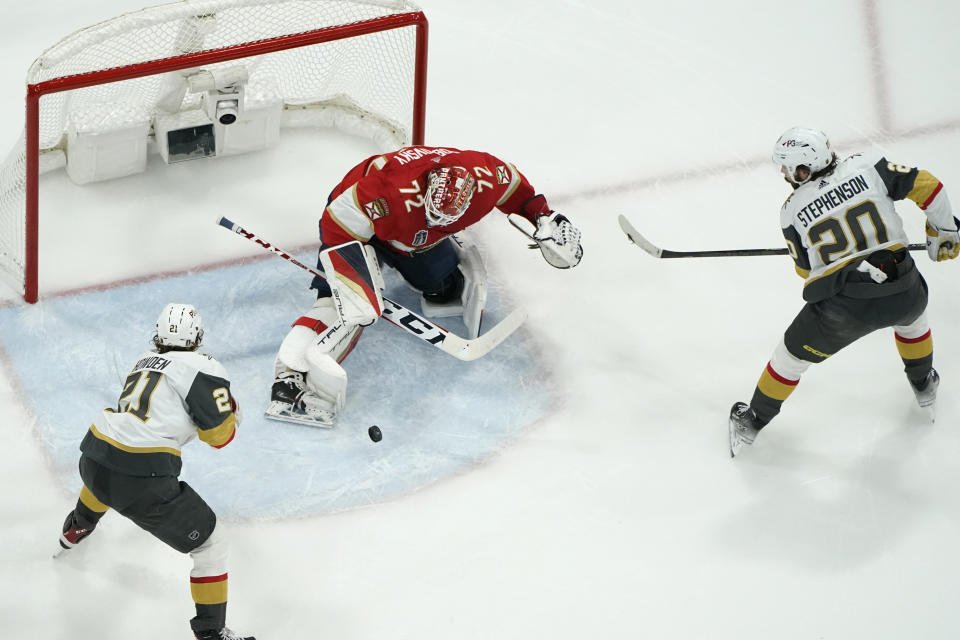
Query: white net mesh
(362, 83)
(12, 215)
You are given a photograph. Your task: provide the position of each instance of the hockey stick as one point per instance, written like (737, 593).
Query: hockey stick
(636, 238)
(412, 323)
(519, 228)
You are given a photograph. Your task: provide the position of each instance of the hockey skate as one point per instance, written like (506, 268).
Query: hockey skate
(220, 634)
(926, 392)
(72, 534)
(291, 401)
(744, 426)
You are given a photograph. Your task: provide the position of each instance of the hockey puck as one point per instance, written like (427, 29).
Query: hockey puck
(375, 433)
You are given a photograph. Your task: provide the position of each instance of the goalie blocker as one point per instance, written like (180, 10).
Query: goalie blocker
(473, 296)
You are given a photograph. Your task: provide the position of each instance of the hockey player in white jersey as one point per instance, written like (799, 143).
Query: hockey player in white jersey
(130, 459)
(848, 244)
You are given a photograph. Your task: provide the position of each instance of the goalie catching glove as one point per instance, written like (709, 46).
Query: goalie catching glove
(943, 244)
(558, 240)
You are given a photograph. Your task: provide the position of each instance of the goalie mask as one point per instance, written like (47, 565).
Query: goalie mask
(802, 147)
(179, 326)
(449, 191)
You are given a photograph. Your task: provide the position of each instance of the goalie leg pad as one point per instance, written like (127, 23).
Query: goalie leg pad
(473, 295)
(326, 378)
(353, 274)
(316, 321)
(314, 398)
(320, 324)
(310, 385)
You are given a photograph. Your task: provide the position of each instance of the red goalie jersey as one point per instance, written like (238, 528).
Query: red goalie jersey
(383, 196)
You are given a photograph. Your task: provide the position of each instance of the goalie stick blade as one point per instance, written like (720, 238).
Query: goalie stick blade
(465, 349)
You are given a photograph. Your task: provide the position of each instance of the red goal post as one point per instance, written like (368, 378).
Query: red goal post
(359, 65)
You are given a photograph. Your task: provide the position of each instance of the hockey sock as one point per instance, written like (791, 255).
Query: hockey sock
(89, 510)
(917, 356)
(772, 390)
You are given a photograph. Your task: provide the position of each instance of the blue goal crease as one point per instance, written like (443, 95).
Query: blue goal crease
(439, 416)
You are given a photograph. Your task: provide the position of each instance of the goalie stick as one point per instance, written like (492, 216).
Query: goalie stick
(636, 238)
(518, 227)
(412, 323)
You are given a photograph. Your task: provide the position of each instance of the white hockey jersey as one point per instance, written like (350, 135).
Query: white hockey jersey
(838, 219)
(167, 400)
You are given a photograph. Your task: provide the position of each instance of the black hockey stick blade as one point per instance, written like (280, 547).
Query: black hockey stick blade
(637, 238)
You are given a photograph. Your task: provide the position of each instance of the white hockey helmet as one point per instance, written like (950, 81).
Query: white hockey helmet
(179, 326)
(802, 147)
(449, 190)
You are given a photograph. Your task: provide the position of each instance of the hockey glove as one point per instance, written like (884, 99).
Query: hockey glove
(236, 409)
(558, 240)
(943, 244)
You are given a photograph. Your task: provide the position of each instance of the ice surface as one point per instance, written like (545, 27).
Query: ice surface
(442, 415)
(617, 512)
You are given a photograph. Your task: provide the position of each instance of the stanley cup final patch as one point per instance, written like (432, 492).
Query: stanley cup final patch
(377, 209)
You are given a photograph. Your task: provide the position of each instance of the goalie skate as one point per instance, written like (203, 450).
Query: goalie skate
(286, 412)
(291, 402)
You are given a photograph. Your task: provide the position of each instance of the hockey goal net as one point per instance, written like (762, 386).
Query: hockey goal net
(163, 74)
